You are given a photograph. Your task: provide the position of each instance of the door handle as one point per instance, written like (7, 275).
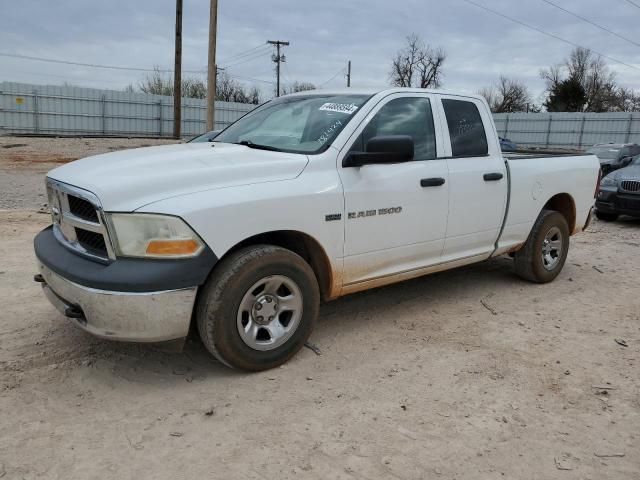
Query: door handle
(492, 177)
(432, 182)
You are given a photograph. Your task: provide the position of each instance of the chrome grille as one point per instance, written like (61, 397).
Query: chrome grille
(78, 221)
(630, 185)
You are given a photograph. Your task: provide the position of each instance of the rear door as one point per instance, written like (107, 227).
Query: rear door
(395, 214)
(478, 184)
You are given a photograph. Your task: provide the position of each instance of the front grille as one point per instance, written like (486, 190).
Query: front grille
(92, 242)
(82, 208)
(77, 221)
(630, 185)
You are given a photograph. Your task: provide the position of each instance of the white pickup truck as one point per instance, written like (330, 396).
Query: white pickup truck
(310, 196)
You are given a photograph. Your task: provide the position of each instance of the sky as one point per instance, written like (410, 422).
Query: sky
(480, 45)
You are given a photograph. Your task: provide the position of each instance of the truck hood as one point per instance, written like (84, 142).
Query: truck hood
(129, 179)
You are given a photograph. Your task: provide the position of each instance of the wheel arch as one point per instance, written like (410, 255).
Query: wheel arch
(304, 245)
(564, 204)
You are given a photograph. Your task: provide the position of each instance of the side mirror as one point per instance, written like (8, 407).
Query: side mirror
(382, 149)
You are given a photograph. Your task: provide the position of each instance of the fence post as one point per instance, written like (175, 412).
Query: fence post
(629, 128)
(584, 118)
(36, 126)
(159, 118)
(506, 127)
(103, 113)
(548, 131)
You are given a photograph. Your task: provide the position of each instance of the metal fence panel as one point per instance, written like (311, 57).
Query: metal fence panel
(55, 110)
(65, 110)
(576, 130)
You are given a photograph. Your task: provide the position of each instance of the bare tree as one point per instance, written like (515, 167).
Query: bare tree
(590, 71)
(157, 83)
(297, 87)
(417, 65)
(507, 95)
(627, 100)
(227, 89)
(194, 88)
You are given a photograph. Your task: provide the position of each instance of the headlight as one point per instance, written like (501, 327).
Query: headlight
(608, 181)
(155, 236)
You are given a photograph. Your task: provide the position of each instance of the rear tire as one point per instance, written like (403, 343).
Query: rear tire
(606, 217)
(545, 252)
(258, 308)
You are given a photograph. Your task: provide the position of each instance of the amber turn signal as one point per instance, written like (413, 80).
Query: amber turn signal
(173, 247)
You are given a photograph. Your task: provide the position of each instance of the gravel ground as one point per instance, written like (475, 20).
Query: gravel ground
(24, 161)
(467, 374)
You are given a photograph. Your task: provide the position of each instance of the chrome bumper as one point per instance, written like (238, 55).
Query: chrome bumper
(124, 316)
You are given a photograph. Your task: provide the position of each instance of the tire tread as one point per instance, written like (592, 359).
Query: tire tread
(213, 294)
(525, 258)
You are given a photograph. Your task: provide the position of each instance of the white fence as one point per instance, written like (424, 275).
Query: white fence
(52, 110)
(577, 130)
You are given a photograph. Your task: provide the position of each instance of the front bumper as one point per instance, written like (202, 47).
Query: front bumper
(128, 299)
(126, 316)
(613, 201)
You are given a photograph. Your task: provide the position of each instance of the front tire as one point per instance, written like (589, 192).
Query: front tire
(607, 217)
(545, 252)
(258, 308)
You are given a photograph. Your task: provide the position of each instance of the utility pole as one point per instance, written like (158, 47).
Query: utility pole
(349, 74)
(212, 70)
(277, 58)
(177, 73)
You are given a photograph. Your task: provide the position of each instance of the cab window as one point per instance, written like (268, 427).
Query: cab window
(466, 130)
(403, 116)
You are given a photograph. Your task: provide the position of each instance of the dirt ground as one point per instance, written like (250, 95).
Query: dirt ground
(468, 374)
(24, 161)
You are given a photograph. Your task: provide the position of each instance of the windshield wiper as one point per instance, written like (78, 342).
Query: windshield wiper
(257, 146)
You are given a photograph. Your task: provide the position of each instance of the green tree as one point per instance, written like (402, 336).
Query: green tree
(566, 96)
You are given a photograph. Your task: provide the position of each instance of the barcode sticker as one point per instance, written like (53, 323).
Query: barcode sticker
(347, 108)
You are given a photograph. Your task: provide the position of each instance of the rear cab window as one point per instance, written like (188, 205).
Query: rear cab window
(466, 129)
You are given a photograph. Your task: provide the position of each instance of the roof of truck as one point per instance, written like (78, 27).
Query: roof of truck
(375, 91)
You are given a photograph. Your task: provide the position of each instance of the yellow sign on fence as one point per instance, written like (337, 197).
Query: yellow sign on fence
(19, 100)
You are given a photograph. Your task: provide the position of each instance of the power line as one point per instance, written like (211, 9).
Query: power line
(511, 19)
(254, 56)
(240, 77)
(334, 76)
(285, 74)
(548, 34)
(91, 65)
(69, 79)
(633, 3)
(243, 53)
(592, 23)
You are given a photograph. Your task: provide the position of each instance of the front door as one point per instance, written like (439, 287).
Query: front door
(395, 214)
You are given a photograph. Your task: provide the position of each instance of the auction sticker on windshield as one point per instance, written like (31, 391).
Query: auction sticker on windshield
(347, 108)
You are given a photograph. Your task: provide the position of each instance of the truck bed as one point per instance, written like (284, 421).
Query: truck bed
(528, 153)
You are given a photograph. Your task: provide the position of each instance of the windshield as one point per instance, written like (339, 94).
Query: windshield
(605, 153)
(636, 160)
(298, 124)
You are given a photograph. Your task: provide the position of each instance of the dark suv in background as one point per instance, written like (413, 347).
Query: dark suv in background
(614, 155)
(619, 193)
